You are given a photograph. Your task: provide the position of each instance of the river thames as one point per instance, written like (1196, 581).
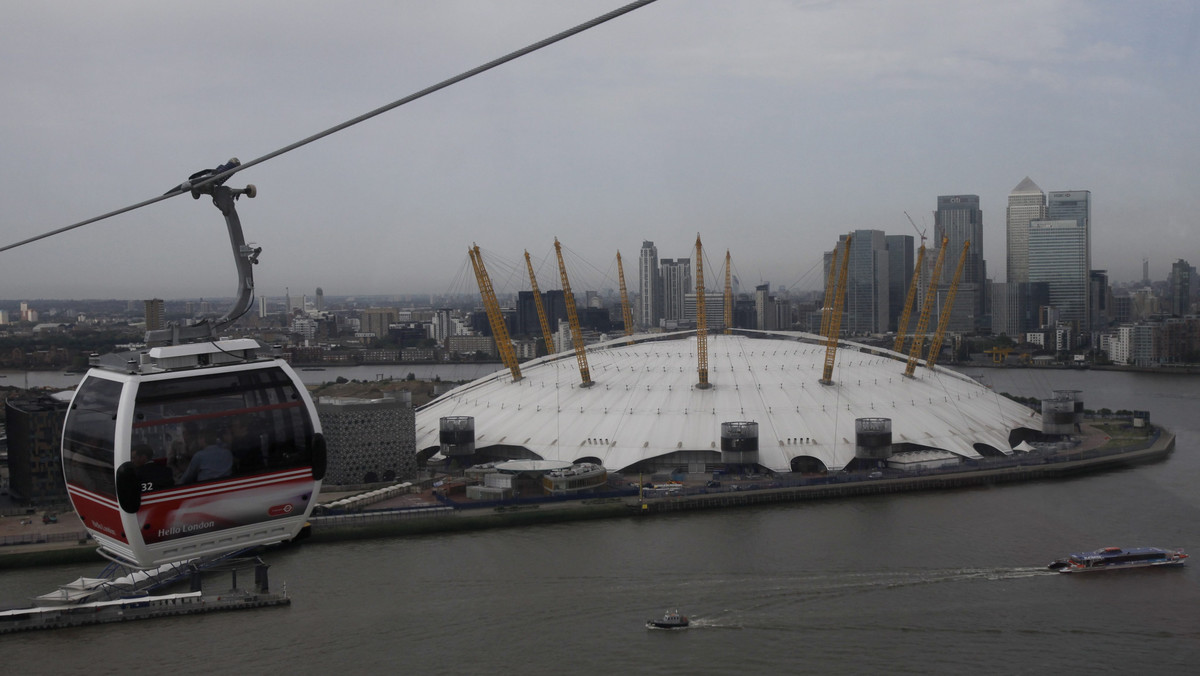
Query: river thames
(947, 582)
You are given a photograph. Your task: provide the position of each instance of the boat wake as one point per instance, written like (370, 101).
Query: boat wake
(818, 586)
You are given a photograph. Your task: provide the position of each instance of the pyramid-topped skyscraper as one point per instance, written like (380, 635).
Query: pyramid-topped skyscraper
(1026, 202)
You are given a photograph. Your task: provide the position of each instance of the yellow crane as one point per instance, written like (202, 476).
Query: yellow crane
(902, 327)
(495, 318)
(947, 309)
(835, 318)
(999, 354)
(728, 295)
(701, 321)
(547, 336)
(626, 311)
(573, 319)
(923, 322)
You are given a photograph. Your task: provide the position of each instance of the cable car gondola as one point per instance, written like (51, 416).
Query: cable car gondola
(185, 450)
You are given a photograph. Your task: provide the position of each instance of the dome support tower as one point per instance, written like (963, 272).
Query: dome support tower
(626, 311)
(573, 318)
(541, 311)
(728, 295)
(902, 328)
(947, 309)
(701, 322)
(835, 318)
(499, 330)
(918, 340)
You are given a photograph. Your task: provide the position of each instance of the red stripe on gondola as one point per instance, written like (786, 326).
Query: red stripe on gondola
(98, 515)
(211, 416)
(298, 475)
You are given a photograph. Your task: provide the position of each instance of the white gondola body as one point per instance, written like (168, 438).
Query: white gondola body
(266, 497)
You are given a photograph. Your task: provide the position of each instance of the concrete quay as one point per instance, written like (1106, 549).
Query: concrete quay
(422, 513)
(1090, 455)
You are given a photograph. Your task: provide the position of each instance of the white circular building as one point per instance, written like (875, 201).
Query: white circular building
(644, 411)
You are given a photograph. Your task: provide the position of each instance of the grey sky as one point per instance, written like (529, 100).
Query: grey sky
(769, 127)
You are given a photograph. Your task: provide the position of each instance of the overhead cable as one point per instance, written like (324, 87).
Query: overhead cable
(222, 176)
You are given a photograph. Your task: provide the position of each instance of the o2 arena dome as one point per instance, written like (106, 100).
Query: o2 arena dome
(765, 407)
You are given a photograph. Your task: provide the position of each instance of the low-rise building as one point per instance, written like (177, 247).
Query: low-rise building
(368, 440)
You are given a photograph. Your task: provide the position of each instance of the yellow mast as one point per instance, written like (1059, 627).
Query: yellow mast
(923, 322)
(835, 319)
(902, 328)
(701, 321)
(495, 318)
(728, 295)
(547, 336)
(827, 306)
(573, 319)
(626, 311)
(947, 309)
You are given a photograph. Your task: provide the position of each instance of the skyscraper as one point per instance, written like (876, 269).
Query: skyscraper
(154, 314)
(649, 307)
(866, 301)
(1180, 288)
(764, 308)
(959, 220)
(441, 325)
(554, 304)
(1076, 205)
(900, 269)
(1058, 255)
(1026, 203)
(1099, 299)
(676, 285)
(1016, 307)
(376, 320)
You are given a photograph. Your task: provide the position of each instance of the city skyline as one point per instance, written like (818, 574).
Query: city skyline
(771, 132)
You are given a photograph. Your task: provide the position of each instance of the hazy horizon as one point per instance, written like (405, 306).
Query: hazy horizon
(770, 128)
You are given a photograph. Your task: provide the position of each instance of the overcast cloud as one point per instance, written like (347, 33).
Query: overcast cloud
(768, 127)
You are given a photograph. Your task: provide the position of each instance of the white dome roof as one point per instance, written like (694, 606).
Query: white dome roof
(644, 402)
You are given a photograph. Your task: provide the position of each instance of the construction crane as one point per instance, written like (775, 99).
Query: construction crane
(835, 319)
(902, 327)
(947, 309)
(728, 295)
(585, 374)
(701, 322)
(920, 231)
(923, 322)
(626, 311)
(495, 318)
(547, 336)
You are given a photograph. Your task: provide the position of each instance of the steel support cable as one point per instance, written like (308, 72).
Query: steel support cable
(184, 189)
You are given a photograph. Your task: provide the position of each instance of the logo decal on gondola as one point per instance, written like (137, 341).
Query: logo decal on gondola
(186, 528)
(280, 510)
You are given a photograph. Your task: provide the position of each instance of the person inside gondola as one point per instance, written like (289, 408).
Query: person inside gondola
(151, 474)
(247, 446)
(214, 461)
(183, 448)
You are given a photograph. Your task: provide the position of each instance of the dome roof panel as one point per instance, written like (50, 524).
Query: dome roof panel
(644, 402)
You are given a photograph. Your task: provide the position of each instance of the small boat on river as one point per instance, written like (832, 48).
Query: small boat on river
(1115, 558)
(670, 620)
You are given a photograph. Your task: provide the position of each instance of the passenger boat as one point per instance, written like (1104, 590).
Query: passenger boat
(670, 620)
(1115, 558)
